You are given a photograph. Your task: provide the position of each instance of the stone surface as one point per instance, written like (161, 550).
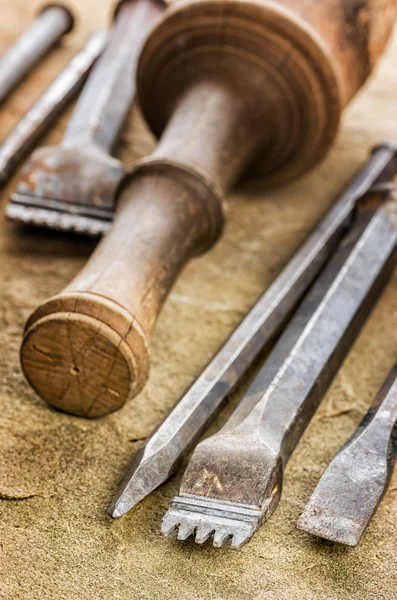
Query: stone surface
(58, 473)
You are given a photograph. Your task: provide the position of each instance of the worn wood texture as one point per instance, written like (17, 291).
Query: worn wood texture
(58, 472)
(253, 85)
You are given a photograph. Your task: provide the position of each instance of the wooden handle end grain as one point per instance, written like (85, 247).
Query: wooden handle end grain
(85, 351)
(231, 87)
(79, 364)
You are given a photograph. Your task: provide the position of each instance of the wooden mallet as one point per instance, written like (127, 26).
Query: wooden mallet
(232, 88)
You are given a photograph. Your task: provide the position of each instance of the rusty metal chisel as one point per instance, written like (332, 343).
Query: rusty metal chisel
(234, 480)
(46, 109)
(45, 31)
(72, 187)
(160, 456)
(353, 485)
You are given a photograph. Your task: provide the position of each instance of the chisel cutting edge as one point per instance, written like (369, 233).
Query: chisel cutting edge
(356, 480)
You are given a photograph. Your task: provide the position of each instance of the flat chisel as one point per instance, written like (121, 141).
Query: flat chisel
(160, 456)
(234, 479)
(45, 31)
(72, 186)
(352, 487)
(46, 109)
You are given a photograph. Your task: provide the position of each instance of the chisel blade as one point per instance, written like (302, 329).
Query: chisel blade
(353, 485)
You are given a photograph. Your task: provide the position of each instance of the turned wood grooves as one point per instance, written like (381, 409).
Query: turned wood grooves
(233, 88)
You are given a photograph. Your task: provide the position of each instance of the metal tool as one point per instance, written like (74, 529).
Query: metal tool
(352, 487)
(160, 456)
(234, 480)
(46, 30)
(45, 110)
(72, 186)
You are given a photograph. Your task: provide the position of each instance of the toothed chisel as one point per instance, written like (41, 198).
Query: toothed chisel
(46, 30)
(351, 489)
(234, 88)
(160, 456)
(234, 480)
(46, 109)
(72, 187)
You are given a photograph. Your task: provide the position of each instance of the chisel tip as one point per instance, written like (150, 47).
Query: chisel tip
(147, 472)
(347, 495)
(334, 528)
(133, 490)
(352, 487)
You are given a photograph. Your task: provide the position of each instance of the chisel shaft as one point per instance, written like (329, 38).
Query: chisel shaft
(46, 30)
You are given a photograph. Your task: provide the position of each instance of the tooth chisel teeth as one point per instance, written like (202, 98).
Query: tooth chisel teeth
(185, 530)
(203, 533)
(221, 536)
(209, 517)
(240, 538)
(169, 524)
(59, 220)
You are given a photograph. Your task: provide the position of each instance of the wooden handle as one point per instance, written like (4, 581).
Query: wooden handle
(248, 86)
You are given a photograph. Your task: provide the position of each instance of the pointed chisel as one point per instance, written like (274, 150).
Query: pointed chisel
(352, 487)
(160, 456)
(234, 480)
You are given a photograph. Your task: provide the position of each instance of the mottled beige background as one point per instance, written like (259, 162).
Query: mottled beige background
(58, 473)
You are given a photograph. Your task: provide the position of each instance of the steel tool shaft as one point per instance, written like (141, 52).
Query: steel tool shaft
(47, 29)
(46, 109)
(352, 487)
(234, 480)
(72, 186)
(158, 459)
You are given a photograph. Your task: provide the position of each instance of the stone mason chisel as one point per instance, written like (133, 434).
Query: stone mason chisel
(47, 108)
(160, 456)
(46, 30)
(351, 489)
(72, 187)
(234, 480)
